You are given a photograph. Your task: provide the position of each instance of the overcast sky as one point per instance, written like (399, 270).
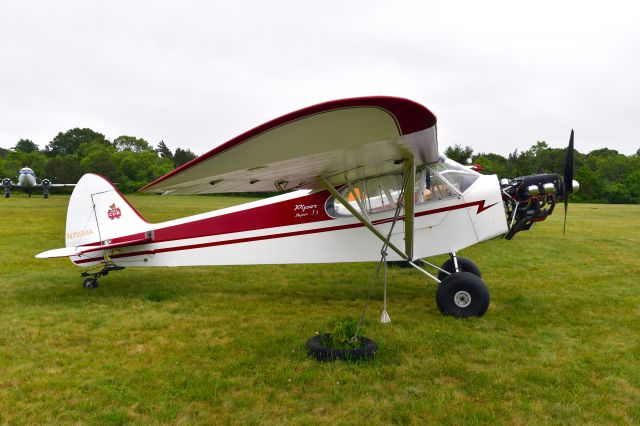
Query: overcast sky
(499, 75)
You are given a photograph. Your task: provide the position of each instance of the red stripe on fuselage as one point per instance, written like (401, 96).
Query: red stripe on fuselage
(479, 204)
(297, 211)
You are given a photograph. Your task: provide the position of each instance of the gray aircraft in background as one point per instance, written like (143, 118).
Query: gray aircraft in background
(28, 182)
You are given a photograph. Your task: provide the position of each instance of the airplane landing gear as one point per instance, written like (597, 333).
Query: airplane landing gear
(463, 294)
(91, 276)
(464, 264)
(90, 282)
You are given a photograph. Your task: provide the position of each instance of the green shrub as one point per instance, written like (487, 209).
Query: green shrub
(342, 334)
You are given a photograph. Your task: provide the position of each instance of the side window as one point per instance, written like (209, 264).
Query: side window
(457, 175)
(430, 187)
(370, 195)
(381, 193)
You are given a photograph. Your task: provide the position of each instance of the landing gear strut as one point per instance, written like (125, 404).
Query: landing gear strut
(463, 264)
(91, 276)
(461, 292)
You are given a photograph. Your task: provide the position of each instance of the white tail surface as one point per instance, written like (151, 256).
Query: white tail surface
(97, 213)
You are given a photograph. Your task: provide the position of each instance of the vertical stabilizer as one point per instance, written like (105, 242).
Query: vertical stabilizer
(97, 212)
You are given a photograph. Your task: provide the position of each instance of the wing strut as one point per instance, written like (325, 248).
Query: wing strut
(362, 219)
(408, 188)
(409, 204)
(409, 169)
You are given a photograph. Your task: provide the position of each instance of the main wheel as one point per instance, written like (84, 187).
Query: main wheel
(90, 282)
(464, 264)
(462, 294)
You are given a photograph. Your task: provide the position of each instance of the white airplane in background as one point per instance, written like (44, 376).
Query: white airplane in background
(368, 185)
(28, 182)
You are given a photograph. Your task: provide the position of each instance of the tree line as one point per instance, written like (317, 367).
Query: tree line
(605, 175)
(129, 161)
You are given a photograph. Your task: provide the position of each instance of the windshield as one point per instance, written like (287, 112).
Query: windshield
(459, 176)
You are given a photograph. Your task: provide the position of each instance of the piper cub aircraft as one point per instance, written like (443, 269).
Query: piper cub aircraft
(360, 180)
(27, 181)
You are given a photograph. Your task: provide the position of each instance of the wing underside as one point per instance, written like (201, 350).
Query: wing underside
(296, 151)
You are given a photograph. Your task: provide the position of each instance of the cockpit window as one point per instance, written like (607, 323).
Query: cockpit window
(460, 177)
(430, 187)
(370, 195)
(439, 181)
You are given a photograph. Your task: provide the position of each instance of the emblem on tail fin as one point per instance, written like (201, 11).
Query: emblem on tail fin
(114, 212)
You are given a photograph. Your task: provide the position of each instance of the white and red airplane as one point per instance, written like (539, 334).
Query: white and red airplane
(363, 181)
(27, 181)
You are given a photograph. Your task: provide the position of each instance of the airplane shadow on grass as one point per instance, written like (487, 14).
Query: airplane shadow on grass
(290, 283)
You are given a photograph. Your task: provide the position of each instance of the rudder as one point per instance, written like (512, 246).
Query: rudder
(98, 212)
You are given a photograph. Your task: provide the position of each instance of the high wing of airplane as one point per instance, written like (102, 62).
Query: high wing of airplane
(358, 180)
(28, 182)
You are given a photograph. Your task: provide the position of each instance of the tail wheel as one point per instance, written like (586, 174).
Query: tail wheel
(90, 282)
(464, 265)
(463, 294)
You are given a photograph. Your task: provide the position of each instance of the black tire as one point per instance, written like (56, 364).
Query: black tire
(323, 353)
(90, 282)
(464, 264)
(463, 294)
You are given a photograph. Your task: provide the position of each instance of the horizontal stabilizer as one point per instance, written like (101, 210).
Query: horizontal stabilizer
(79, 251)
(65, 252)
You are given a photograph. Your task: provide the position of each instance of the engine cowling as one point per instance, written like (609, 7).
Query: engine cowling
(46, 184)
(6, 185)
(529, 199)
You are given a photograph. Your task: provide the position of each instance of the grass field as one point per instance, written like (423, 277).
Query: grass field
(225, 345)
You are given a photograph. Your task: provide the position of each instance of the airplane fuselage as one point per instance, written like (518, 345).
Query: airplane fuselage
(27, 178)
(298, 227)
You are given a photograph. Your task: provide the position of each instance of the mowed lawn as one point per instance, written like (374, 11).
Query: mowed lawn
(225, 345)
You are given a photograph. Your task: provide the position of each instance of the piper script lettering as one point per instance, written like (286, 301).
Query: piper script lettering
(303, 210)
